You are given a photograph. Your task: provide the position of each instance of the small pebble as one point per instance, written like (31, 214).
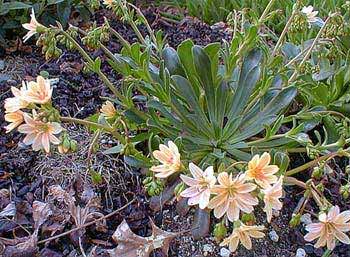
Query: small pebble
(300, 253)
(273, 236)
(224, 252)
(306, 219)
(208, 248)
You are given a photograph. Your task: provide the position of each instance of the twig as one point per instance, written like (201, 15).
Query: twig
(86, 224)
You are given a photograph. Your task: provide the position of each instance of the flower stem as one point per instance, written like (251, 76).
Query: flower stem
(266, 11)
(88, 123)
(284, 32)
(91, 62)
(310, 164)
(327, 253)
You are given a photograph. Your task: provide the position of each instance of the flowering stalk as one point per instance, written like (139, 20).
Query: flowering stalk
(307, 55)
(285, 30)
(91, 62)
(109, 129)
(266, 11)
(311, 163)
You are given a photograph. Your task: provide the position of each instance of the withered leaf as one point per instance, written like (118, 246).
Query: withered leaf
(41, 211)
(28, 248)
(132, 245)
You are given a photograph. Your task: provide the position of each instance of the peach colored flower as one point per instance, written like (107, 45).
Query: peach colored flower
(40, 134)
(260, 171)
(311, 15)
(38, 92)
(15, 119)
(169, 156)
(242, 234)
(109, 3)
(32, 26)
(332, 226)
(272, 194)
(17, 102)
(232, 196)
(199, 185)
(108, 110)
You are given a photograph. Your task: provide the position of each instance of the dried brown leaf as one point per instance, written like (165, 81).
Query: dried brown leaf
(132, 245)
(41, 211)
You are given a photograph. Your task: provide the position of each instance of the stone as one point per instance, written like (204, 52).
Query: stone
(224, 252)
(208, 248)
(273, 236)
(300, 253)
(306, 219)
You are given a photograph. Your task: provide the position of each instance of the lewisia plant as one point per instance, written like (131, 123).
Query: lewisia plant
(229, 195)
(31, 105)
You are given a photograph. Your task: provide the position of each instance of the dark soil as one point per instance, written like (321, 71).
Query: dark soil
(79, 94)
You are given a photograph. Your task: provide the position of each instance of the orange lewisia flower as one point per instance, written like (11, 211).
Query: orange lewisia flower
(332, 226)
(17, 102)
(15, 119)
(232, 196)
(272, 194)
(40, 134)
(169, 156)
(260, 171)
(199, 186)
(242, 234)
(108, 110)
(38, 92)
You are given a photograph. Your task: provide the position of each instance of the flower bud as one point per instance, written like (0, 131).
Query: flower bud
(73, 145)
(295, 220)
(317, 173)
(344, 191)
(179, 188)
(220, 231)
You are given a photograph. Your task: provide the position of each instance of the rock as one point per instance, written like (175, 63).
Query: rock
(300, 253)
(208, 248)
(306, 219)
(273, 236)
(224, 252)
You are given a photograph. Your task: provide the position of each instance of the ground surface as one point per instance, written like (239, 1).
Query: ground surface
(25, 176)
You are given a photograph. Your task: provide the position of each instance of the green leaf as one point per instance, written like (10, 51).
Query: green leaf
(172, 62)
(136, 162)
(115, 149)
(249, 75)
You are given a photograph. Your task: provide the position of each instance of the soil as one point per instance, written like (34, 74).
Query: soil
(26, 175)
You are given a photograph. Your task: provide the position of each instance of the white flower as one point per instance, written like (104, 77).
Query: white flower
(32, 26)
(311, 15)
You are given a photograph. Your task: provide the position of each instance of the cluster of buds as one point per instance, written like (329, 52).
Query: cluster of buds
(335, 27)
(305, 68)
(234, 197)
(48, 42)
(96, 35)
(73, 32)
(67, 144)
(299, 23)
(312, 151)
(94, 4)
(318, 171)
(32, 106)
(153, 186)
